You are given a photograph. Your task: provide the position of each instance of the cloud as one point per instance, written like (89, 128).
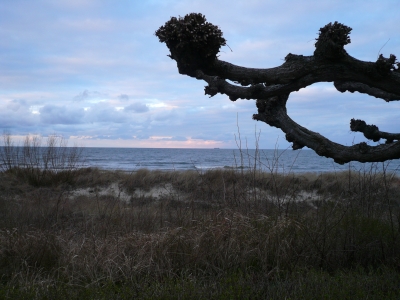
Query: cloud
(16, 104)
(92, 95)
(179, 138)
(169, 138)
(51, 114)
(82, 96)
(123, 97)
(104, 115)
(142, 137)
(137, 107)
(170, 117)
(17, 119)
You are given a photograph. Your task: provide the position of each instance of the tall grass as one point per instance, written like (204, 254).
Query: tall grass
(40, 163)
(211, 234)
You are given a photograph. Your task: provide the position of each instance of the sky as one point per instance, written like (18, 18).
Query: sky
(93, 71)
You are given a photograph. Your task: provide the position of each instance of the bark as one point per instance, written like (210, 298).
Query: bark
(196, 57)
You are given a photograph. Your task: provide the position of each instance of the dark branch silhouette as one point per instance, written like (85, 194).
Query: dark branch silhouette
(194, 44)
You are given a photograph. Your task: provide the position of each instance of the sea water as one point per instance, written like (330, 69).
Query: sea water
(283, 161)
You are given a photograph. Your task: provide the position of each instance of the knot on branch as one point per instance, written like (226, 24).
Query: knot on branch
(357, 125)
(331, 40)
(214, 83)
(292, 139)
(192, 41)
(293, 57)
(371, 132)
(271, 104)
(297, 146)
(269, 110)
(212, 88)
(386, 65)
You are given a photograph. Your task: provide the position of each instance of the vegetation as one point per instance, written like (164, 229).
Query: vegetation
(218, 234)
(38, 163)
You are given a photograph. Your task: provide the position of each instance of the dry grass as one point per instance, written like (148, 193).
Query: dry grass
(204, 225)
(69, 232)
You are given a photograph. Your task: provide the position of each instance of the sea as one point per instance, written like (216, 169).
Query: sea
(268, 160)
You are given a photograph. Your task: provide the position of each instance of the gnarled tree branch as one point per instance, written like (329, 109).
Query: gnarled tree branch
(195, 43)
(351, 86)
(372, 132)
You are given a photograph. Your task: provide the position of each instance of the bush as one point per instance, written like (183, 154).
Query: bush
(48, 165)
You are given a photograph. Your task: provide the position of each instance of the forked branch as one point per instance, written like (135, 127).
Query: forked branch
(194, 44)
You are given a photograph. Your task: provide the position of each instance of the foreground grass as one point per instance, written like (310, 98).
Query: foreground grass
(356, 284)
(217, 234)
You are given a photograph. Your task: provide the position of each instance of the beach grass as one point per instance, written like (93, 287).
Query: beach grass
(69, 232)
(216, 234)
